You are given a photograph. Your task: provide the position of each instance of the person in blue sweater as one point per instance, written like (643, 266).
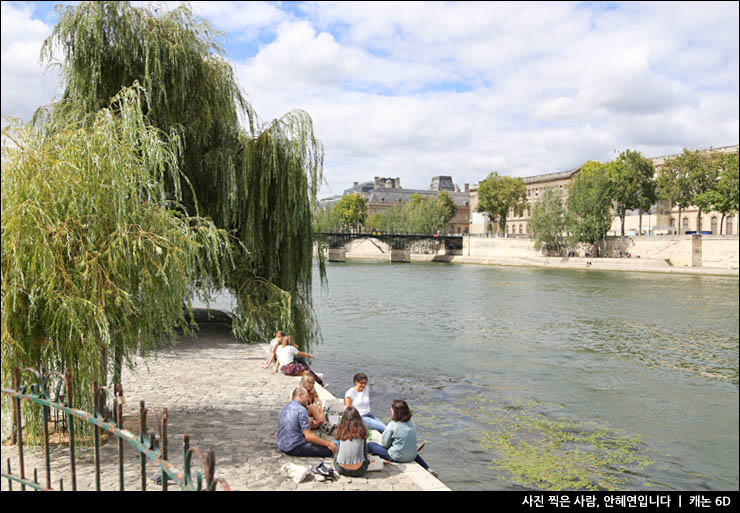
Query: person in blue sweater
(398, 443)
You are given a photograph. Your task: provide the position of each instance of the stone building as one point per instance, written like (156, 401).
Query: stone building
(666, 216)
(383, 193)
(516, 225)
(660, 220)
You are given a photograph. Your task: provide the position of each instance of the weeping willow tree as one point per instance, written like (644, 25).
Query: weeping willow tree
(259, 182)
(96, 256)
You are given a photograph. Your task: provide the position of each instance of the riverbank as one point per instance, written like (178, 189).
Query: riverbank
(578, 263)
(587, 264)
(215, 390)
(713, 256)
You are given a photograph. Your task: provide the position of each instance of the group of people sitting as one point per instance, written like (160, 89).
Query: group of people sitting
(305, 413)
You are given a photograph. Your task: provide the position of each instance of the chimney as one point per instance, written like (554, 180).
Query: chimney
(377, 182)
(398, 183)
(389, 184)
(467, 187)
(355, 184)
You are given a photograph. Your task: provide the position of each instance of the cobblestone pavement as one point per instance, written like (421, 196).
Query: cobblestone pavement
(215, 390)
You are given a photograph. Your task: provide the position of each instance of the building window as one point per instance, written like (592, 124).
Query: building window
(714, 225)
(521, 229)
(729, 226)
(685, 223)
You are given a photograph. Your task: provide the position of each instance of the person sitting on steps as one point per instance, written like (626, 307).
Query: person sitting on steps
(286, 353)
(294, 436)
(359, 397)
(399, 439)
(274, 344)
(351, 457)
(314, 407)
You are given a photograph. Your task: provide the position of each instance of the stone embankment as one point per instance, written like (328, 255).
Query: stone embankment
(686, 254)
(215, 390)
(604, 264)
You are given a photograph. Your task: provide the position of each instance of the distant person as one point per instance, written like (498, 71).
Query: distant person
(351, 457)
(294, 435)
(285, 363)
(359, 397)
(314, 407)
(399, 439)
(274, 344)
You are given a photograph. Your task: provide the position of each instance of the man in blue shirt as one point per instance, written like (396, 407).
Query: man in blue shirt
(294, 435)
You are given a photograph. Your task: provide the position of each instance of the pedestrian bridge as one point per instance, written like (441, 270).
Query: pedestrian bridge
(400, 245)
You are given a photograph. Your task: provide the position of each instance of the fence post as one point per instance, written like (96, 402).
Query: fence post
(70, 422)
(19, 423)
(142, 430)
(119, 425)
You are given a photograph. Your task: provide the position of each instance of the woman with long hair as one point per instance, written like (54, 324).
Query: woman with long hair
(351, 457)
(314, 407)
(286, 353)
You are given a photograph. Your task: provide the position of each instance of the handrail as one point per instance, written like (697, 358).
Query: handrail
(145, 443)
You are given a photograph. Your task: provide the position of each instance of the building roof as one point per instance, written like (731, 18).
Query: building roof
(402, 196)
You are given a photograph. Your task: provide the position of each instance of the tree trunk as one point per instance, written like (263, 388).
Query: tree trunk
(117, 363)
(679, 220)
(721, 223)
(698, 223)
(639, 226)
(622, 216)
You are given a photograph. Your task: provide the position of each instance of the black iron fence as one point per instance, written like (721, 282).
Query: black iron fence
(52, 392)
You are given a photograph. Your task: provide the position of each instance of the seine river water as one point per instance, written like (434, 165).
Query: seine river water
(524, 378)
(537, 378)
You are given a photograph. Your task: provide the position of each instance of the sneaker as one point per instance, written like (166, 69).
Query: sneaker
(433, 472)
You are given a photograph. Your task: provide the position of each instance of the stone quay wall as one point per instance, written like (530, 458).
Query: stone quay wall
(707, 254)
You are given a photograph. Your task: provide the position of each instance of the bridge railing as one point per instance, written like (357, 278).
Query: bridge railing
(52, 392)
(395, 240)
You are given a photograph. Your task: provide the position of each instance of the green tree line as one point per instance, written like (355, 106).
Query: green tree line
(419, 215)
(708, 180)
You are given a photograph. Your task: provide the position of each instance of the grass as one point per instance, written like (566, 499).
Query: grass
(543, 451)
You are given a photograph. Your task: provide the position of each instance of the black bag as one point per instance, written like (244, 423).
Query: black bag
(324, 470)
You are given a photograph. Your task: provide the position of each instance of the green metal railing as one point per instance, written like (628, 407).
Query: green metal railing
(53, 393)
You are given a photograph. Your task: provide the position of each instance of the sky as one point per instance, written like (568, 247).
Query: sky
(421, 89)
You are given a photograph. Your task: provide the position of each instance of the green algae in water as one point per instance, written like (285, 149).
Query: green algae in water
(542, 452)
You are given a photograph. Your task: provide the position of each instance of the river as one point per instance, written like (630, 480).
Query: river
(527, 378)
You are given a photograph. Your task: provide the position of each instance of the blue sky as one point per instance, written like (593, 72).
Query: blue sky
(419, 89)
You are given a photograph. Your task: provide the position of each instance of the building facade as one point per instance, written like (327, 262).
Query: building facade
(662, 219)
(666, 216)
(383, 193)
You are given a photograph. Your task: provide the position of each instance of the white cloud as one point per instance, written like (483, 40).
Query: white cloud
(26, 84)
(414, 89)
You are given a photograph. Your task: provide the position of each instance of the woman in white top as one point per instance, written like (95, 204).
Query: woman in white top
(359, 397)
(286, 353)
(274, 344)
